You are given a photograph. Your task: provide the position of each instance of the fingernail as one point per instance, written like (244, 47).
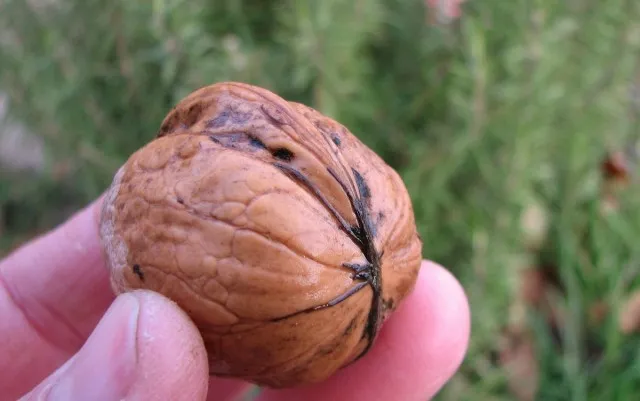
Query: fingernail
(105, 367)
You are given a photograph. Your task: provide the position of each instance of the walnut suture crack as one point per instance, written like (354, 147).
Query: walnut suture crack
(365, 273)
(321, 245)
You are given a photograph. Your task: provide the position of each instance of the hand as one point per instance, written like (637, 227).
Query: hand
(66, 337)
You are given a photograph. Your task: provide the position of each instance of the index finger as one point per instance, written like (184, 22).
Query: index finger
(53, 292)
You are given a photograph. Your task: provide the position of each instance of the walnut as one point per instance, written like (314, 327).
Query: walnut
(285, 239)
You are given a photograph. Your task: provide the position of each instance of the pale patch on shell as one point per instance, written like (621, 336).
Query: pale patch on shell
(115, 247)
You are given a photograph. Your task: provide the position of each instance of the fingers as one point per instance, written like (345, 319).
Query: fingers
(53, 292)
(419, 349)
(145, 348)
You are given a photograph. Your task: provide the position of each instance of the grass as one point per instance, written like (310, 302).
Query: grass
(504, 114)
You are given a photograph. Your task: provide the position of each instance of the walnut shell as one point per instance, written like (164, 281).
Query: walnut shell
(285, 239)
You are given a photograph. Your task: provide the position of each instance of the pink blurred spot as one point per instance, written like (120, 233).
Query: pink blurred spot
(446, 9)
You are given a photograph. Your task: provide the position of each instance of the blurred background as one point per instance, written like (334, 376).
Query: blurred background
(513, 123)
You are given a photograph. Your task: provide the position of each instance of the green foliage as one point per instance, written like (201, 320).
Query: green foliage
(512, 106)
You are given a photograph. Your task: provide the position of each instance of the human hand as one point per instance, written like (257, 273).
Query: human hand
(65, 336)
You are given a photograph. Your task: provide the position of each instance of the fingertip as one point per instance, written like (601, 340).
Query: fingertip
(424, 342)
(104, 365)
(419, 348)
(439, 308)
(144, 347)
(56, 290)
(439, 290)
(172, 362)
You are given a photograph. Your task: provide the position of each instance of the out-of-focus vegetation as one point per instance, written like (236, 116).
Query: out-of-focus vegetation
(498, 122)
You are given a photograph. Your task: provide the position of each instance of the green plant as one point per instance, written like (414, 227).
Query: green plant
(511, 107)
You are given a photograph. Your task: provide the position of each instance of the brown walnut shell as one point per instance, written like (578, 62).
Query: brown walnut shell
(285, 239)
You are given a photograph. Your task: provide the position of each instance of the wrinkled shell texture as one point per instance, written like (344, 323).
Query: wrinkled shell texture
(285, 239)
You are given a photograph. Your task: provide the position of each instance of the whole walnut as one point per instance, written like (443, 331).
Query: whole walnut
(285, 239)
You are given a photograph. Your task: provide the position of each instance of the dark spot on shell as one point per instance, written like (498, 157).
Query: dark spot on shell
(180, 200)
(381, 217)
(169, 124)
(374, 228)
(246, 143)
(357, 231)
(389, 304)
(138, 271)
(256, 143)
(336, 139)
(239, 117)
(229, 116)
(363, 188)
(234, 140)
(326, 350)
(350, 327)
(193, 114)
(274, 114)
(283, 154)
(219, 121)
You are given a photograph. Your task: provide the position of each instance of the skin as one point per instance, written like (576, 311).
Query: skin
(67, 337)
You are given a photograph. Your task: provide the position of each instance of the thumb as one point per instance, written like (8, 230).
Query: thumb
(144, 348)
